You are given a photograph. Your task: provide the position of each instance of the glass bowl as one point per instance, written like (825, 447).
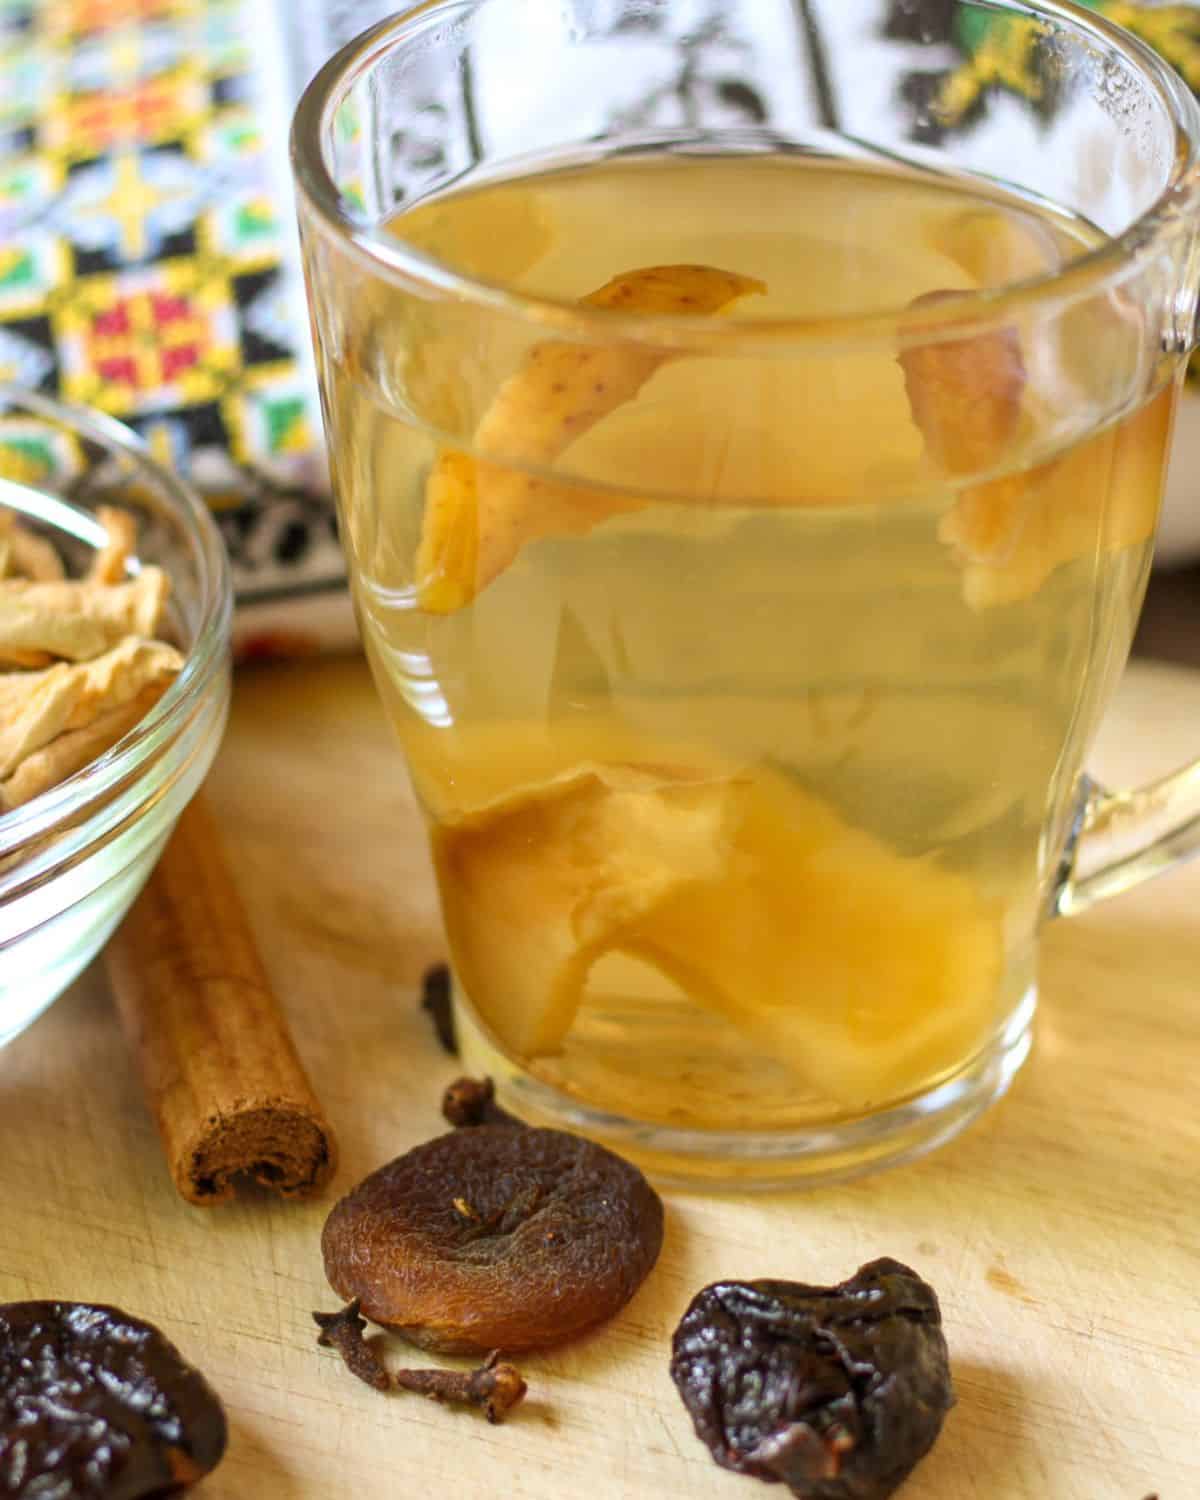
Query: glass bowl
(73, 859)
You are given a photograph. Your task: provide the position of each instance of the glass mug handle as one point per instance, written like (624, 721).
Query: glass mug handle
(1124, 837)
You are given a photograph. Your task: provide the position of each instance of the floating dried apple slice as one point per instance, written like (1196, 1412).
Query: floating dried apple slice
(866, 972)
(537, 885)
(1010, 533)
(479, 514)
(965, 395)
(1102, 495)
(994, 246)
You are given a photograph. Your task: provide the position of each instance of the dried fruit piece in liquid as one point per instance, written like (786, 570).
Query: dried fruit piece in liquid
(536, 886)
(495, 1238)
(479, 514)
(965, 395)
(1011, 534)
(995, 247)
(95, 1403)
(866, 972)
(837, 1391)
(969, 400)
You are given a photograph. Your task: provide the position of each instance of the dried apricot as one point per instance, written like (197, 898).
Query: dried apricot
(495, 1238)
(96, 1405)
(838, 1391)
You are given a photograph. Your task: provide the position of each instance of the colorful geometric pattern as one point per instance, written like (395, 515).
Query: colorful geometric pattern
(148, 261)
(1000, 54)
(1004, 54)
(148, 258)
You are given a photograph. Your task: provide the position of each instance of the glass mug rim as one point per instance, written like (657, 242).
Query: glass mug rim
(953, 318)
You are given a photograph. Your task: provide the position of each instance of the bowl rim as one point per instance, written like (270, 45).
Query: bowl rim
(206, 656)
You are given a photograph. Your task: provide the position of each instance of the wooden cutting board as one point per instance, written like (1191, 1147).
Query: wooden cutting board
(1062, 1232)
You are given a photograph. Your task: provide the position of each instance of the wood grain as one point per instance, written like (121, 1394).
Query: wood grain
(1061, 1231)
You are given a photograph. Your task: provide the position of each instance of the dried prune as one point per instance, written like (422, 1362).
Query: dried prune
(495, 1238)
(837, 1391)
(95, 1403)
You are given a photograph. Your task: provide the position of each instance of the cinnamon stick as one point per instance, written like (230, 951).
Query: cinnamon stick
(220, 1071)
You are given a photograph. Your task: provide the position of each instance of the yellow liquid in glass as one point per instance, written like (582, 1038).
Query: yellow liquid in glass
(745, 792)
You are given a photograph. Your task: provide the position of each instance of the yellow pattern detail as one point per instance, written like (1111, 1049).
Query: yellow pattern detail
(1172, 30)
(1002, 60)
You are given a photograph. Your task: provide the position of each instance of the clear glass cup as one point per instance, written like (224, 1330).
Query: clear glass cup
(746, 649)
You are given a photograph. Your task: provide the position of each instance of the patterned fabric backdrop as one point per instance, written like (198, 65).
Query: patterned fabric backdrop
(148, 267)
(148, 259)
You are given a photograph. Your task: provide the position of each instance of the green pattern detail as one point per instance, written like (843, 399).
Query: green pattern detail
(29, 453)
(282, 416)
(251, 221)
(21, 272)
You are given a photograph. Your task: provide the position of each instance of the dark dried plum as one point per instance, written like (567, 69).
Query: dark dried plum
(94, 1403)
(837, 1391)
(495, 1238)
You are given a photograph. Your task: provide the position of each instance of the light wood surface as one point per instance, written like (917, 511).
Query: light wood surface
(1061, 1232)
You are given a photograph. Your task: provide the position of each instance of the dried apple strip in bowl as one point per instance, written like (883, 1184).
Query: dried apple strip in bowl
(23, 554)
(81, 660)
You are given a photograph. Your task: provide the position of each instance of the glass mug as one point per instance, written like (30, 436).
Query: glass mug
(748, 426)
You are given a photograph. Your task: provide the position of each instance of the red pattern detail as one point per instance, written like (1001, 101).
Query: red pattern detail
(147, 339)
(120, 369)
(100, 15)
(175, 361)
(113, 322)
(104, 120)
(169, 309)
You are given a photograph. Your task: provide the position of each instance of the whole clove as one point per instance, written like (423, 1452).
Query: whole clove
(435, 1002)
(343, 1331)
(472, 1101)
(495, 1387)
